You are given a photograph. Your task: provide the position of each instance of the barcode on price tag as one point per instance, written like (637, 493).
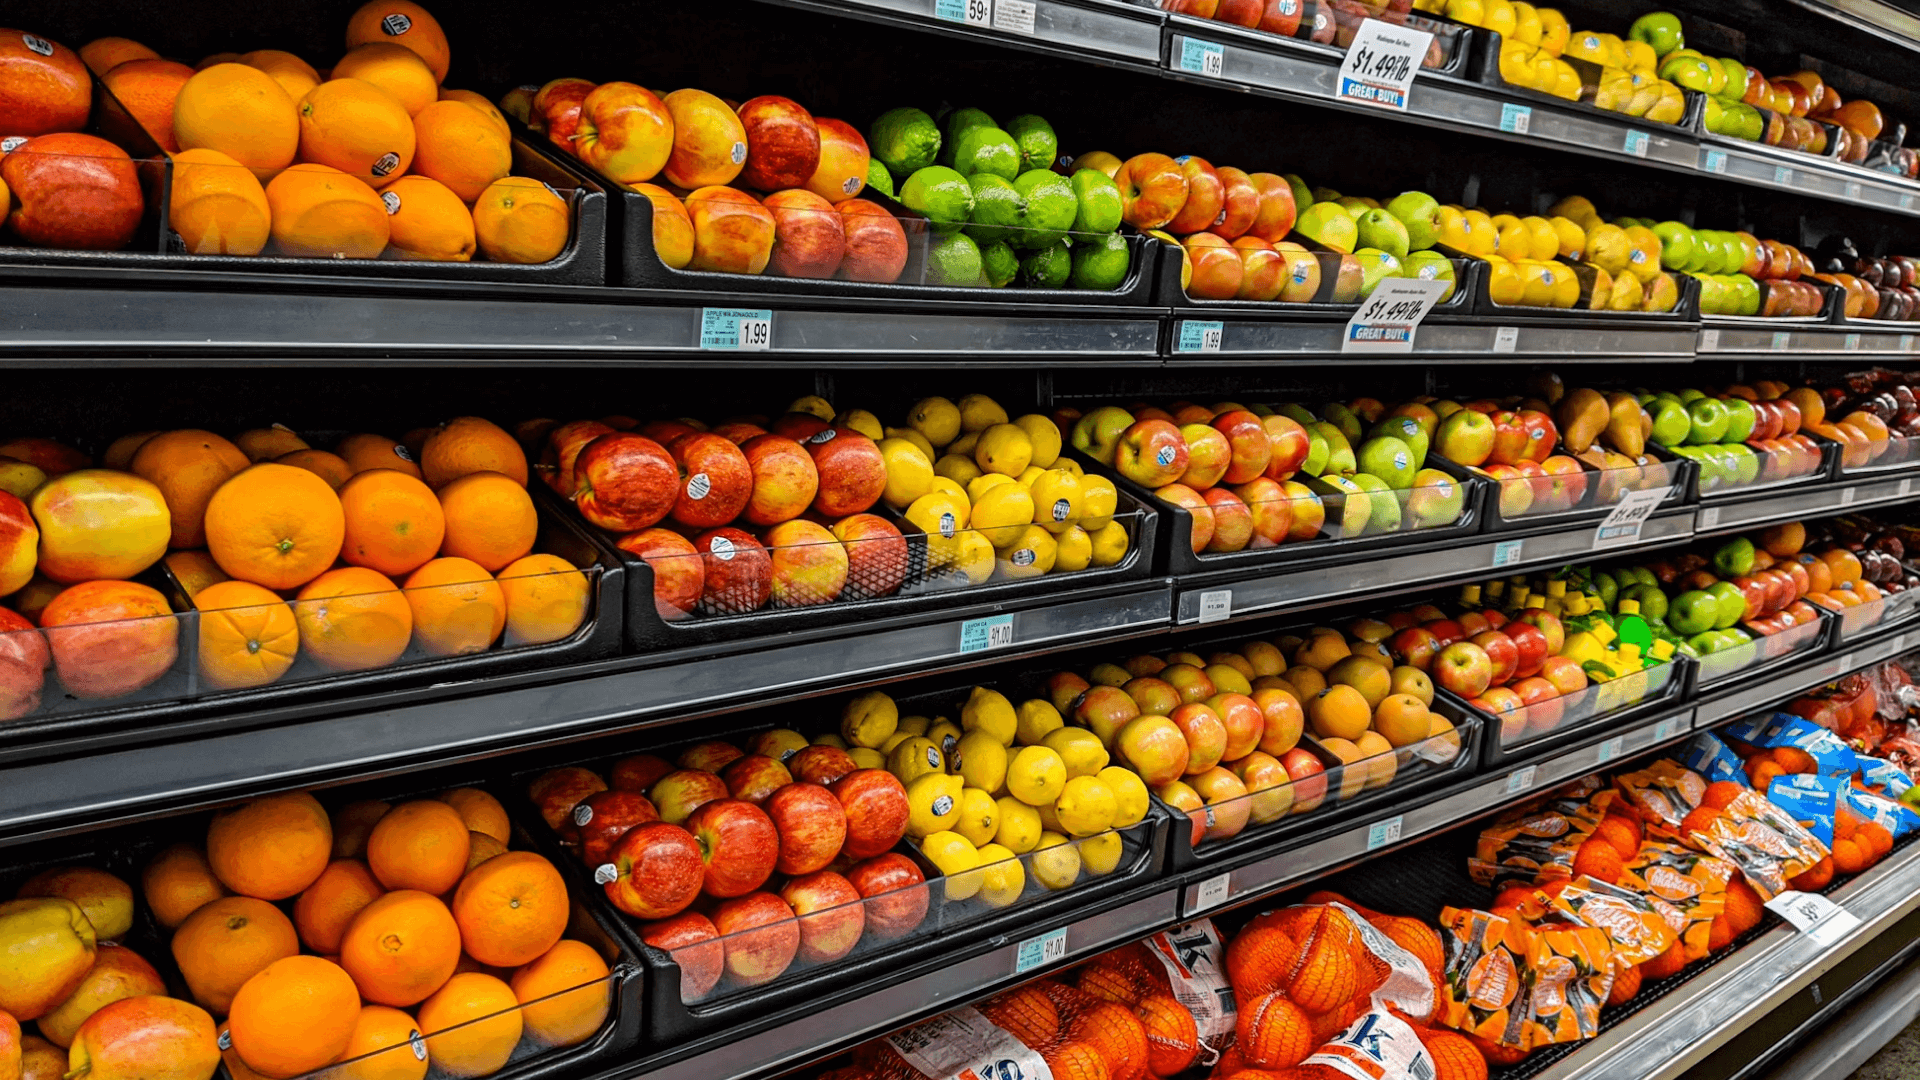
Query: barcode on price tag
(1782, 174)
(1382, 833)
(978, 635)
(1507, 552)
(1199, 336)
(736, 328)
(1210, 893)
(1505, 338)
(1515, 118)
(1635, 143)
(1520, 780)
(1623, 523)
(1709, 340)
(1216, 605)
(1042, 949)
(1386, 322)
(969, 12)
(1851, 341)
(1608, 750)
(1782, 339)
(1014, 16)
(1709, 517)
(1381, 64)
(1201, 57)
(1716, 161)
(1822, 920)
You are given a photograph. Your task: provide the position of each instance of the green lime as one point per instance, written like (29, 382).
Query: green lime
(953, 259)
(999, 263)
(1047, 268)
(1037, 142)
(999, 213)
(1051, 207)
(1099, 199)
(986, 150)
(904, 140)
(1100, 262)
(954, 124)
(941, 194)
(878, 178)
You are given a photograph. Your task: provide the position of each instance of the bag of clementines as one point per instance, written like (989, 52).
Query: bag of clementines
(1688, 887)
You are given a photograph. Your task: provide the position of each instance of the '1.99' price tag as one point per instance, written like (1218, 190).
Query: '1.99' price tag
(1381, 64)
(1387, 320)
(736, 328)
(1199, 336)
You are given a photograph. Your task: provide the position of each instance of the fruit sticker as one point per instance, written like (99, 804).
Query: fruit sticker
(698, 486)
(395, 25)
(392, 202)
(37, 44)
(721, 547)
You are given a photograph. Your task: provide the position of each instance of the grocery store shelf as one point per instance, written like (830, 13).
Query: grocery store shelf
(109, 783)
(1858, 1032)
(1787, 684)
(1251, 341)
(1801, 501)
(1321, 584)
(1748, 339)
(1108, 31)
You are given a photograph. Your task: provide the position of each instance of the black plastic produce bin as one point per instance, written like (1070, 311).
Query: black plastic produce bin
(1577, 717)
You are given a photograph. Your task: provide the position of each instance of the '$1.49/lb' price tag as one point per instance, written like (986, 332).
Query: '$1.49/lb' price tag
(1386, 321)
(1381, 64)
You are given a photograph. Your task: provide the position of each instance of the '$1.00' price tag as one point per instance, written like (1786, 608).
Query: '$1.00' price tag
(1387, 320)
(1381, 64)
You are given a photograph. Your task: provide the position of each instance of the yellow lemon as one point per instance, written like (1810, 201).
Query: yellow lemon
(1044, 434)
(1002, 513)
(945, 735)
(1003, 449)
(1484, 238)
(1002, 878)
(830, 738)
(1019, 829)
(990, 711)
(1100, 854)
(863, 422)
(1081, 751)
(814, 405)
(933, 803)
(964, 444)
(1029, 556)
(1129, 795)
(1537, 285)
(979, 818)
(1076, 549)
(958, 859)
(1566, 286)
(868, 719)
(913, 725)
(913, 436)
(984, 483)
(1035, 719)
(956, 467)
(936, 418)
(1504, 285)
(1086, 806)
(947, 485)
(1036, 775)
(940, 513)
(1453, 228)
(1627, 293)
(1110, 544)
(1028, 475)
(981, 760)
(1059, 500)
(1572, 239)
(913, 757)
(1056, 863)
(973, 556)
(1070, 465)
(866, 757)
(909, 472)
(978, 412)
(1098, 500)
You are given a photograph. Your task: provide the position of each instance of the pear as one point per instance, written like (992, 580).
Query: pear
(1581, 415)
(1627, 424)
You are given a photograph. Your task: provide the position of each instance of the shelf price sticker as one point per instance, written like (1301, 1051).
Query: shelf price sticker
(1636, 143)
(1202, 57)
(1906, 487)
(1709, 517)
(1198, 336)
(1709, 340)
(1846, 496)
(1623, 523)
(966, 12)
(1507, 552)
(1505, 338)
(981, 635)
(1216, 605)
(1210, 893)
(1822, 920)
(1906, 202)
(1851, 342)
(1013, 16)
(1906, 342)
(1382, 833)
(1608, 750)
(1667, 728)
(1387, 321)
(743, 329)
(1520, 780)
(1716, 161)
(1515, 118)
(1782, 175)
(1040, 949)
(1381, 64)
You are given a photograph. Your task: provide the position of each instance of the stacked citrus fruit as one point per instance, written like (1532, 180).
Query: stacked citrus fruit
(376, 159)
(380, 549)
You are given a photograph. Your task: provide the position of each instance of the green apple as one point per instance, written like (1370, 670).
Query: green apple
(1746, 463)
(1345, 419)
(1734, 558)
(1465, 437)
(1709, 419)
(1436, 499)
(1380, 229)
(1659, 29)
(1731, 602)
(1739, 422)
(1747, 291)
(1297, 412)
(1377, 266)
(1407, 430)
(1302, 195)
(1693, 612)
(1690, 72)
(1390, 459)
(1676, 245)
(1736, 87)
(1329, 225)
(1339, 450)
(1356, 504)
(1419, 212)
(1386, 516)
(1670, 422)
(1431, 266)
(1317, 451)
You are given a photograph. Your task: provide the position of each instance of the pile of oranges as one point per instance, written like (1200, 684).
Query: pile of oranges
(350, 558)
(374, 158)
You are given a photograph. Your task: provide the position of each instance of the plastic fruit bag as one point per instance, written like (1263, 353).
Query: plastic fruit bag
(1489, 983)
(1663, 791)
(1637, 929)
(1763, 840)
(1573, 974)
(1688, 887)
(1537, 843)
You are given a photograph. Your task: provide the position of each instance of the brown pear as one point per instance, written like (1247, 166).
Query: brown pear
(1581, 415)
(1627, 425)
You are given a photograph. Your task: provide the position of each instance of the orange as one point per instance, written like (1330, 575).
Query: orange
(457, 607)
(267, 443)
(469, 444)
(294, 75)
(1842, 564)
(320, 212)
(323, 911)
(119, 453)
(1339, 711)
(1848, 857)
(1027, 1013)
(218, 206)
(247, 635)
(148, 87)
(1116, 1035)
(1816, 877)
(274, 525)
(462, 147)
(480, 102)
(1720, 794)
(353, 823)
(1626, 984)
(490, 519)
(394, 68)
(177, 883)
(481, 811)
(518, 220)
(419, 845)
(1173, 1040)
(188, 467)
(102, 55)
(236, 1069)
(428, 221)
(353, 619)
(1260, 959)
(381, 1048)
(366, 451)
(564, 994)
(547, 599)
(1273, 1032)
(358, 128)
(403, 23)
(1455, 1058)
(241, 112)
(393, 522)
(1599, 859)
(481, 847)
(329, 467)
(270, 848)
(1074, 1061)
(478, 1021)
(511, 909)
(295, 1016)
(1326, 974)
(1875, 838)
(227, 942)
(401, 948)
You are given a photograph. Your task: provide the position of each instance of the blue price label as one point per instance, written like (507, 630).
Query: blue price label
(1382, 833)
(1507, 552)
(979, 635)
(1636, 143)
(735, 328)
(1199, 336)
(1716, 161)
(1201, 57)
(1044, 949)
(1515, 118)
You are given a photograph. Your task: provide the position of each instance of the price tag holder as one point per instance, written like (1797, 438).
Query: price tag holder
(1209, 894)
(1608, 750)
(1851, 342)
(1906, 487)
(1782, 175)
(1623, 523)
(1782, 339)
(1196, 336)
(1507, 552)
(1515, 118)
(1636, 143)
(741, 329)
(1906, 342)
(1520, 780)
(1216, 605)
(1387, 321)
(980, 635)
(1382, 833)
(1822, 920)
(1039, 950)
(1709, 517)
(1505, 338)
(1906, 202)
(1381, 64)
(1013, 16)
(1202, 57)
(1846, 662)
(1716, 161)
(1709, 340)
(966, 12)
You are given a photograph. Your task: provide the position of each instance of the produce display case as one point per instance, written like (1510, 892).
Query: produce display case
(1485, 70)
(1752, 661)
(1686, 308)
(1597, 492)
(1832, 303)
(1320, 304)
(1713, 485)
(1544, 726)
(1892, 609)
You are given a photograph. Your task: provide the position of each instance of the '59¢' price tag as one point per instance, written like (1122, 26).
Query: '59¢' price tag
(1387, 320)
(1381, 64)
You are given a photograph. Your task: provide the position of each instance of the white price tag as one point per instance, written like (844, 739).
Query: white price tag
(1709, 517)
(1014, 16)
(1846, 496)
(1716, 161)
(1846, 662)
(1210, 893)
(1906, 202)
(1623, 523)
(1709, 340)
(1216, 605)
(1507, 552)
(1201, 57)
(967, 12)
(1041, 949)
(1814, 915)
(1382, 833)
(1608, 750)
(1197, 336)
(1906, 487)
(1782, 339)
(1520, 780)
(1381, 64)
(1387, 320)
(979, 635)
(1782, 175)
(1505, 338)
(1635, 143)
(1906, 342)
(1515, 118)
(1853, 190)
(1851, 341)
(736, 328)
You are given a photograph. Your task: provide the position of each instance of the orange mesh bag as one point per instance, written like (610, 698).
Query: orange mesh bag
(1127, 975)
(1489, 982)
(1191, 963)
(1763, 840)
(1663, 791)
(1685, 886)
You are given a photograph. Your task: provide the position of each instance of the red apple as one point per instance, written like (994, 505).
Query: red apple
(1416, 646)
(876, 806)
(820, 764)
(1219, 268)
(831, 915)
(681, 792)
(1153, 188)
(809, 564)
(844, 160)
(877, 554)
(809, 235)
(1532, 645)
(785, 479)
(1263, 270)
(1510, 438)
(1287, 446)
(1202, 512)
(709, 145)
(656, 871)
(812, 824)
(1240, 204)
(1206, 196)
(562, 450)
(624, 482)
(665, 432)
(783, 143)
(853, 472)
(556, 792)
(603, 817)
(1274, 219)
(1541, 434)
(1232, 521)
(556, 107)
(1151, 453)
(71, 190)
(876, 244)
(1567, 481)
(693, 942)
(1565, 674)
(1281, 16)
(1208, 456)
(738, 844)
(1104, 710)
(624, 132)
(1548, 624)
(1463, 668)
(1501, 652)
(23, 665)
(1238, 12)
(732, 232)
(1244, 722)
(1252, 449)
(1272, 510)
(44, 86)
(637, 772)
(1447, 631)
(715, 480)
(710, 755)
(1309, 779)
(896, 894)
(1228, 807)
(737, 575)
(1206, 735)
(679, 573)
(799, 426)
(754, 778)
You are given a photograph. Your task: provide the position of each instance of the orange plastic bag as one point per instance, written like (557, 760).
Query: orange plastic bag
(1687, 887)
(1663, 791)
(1763, 840)
(1637, 929)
